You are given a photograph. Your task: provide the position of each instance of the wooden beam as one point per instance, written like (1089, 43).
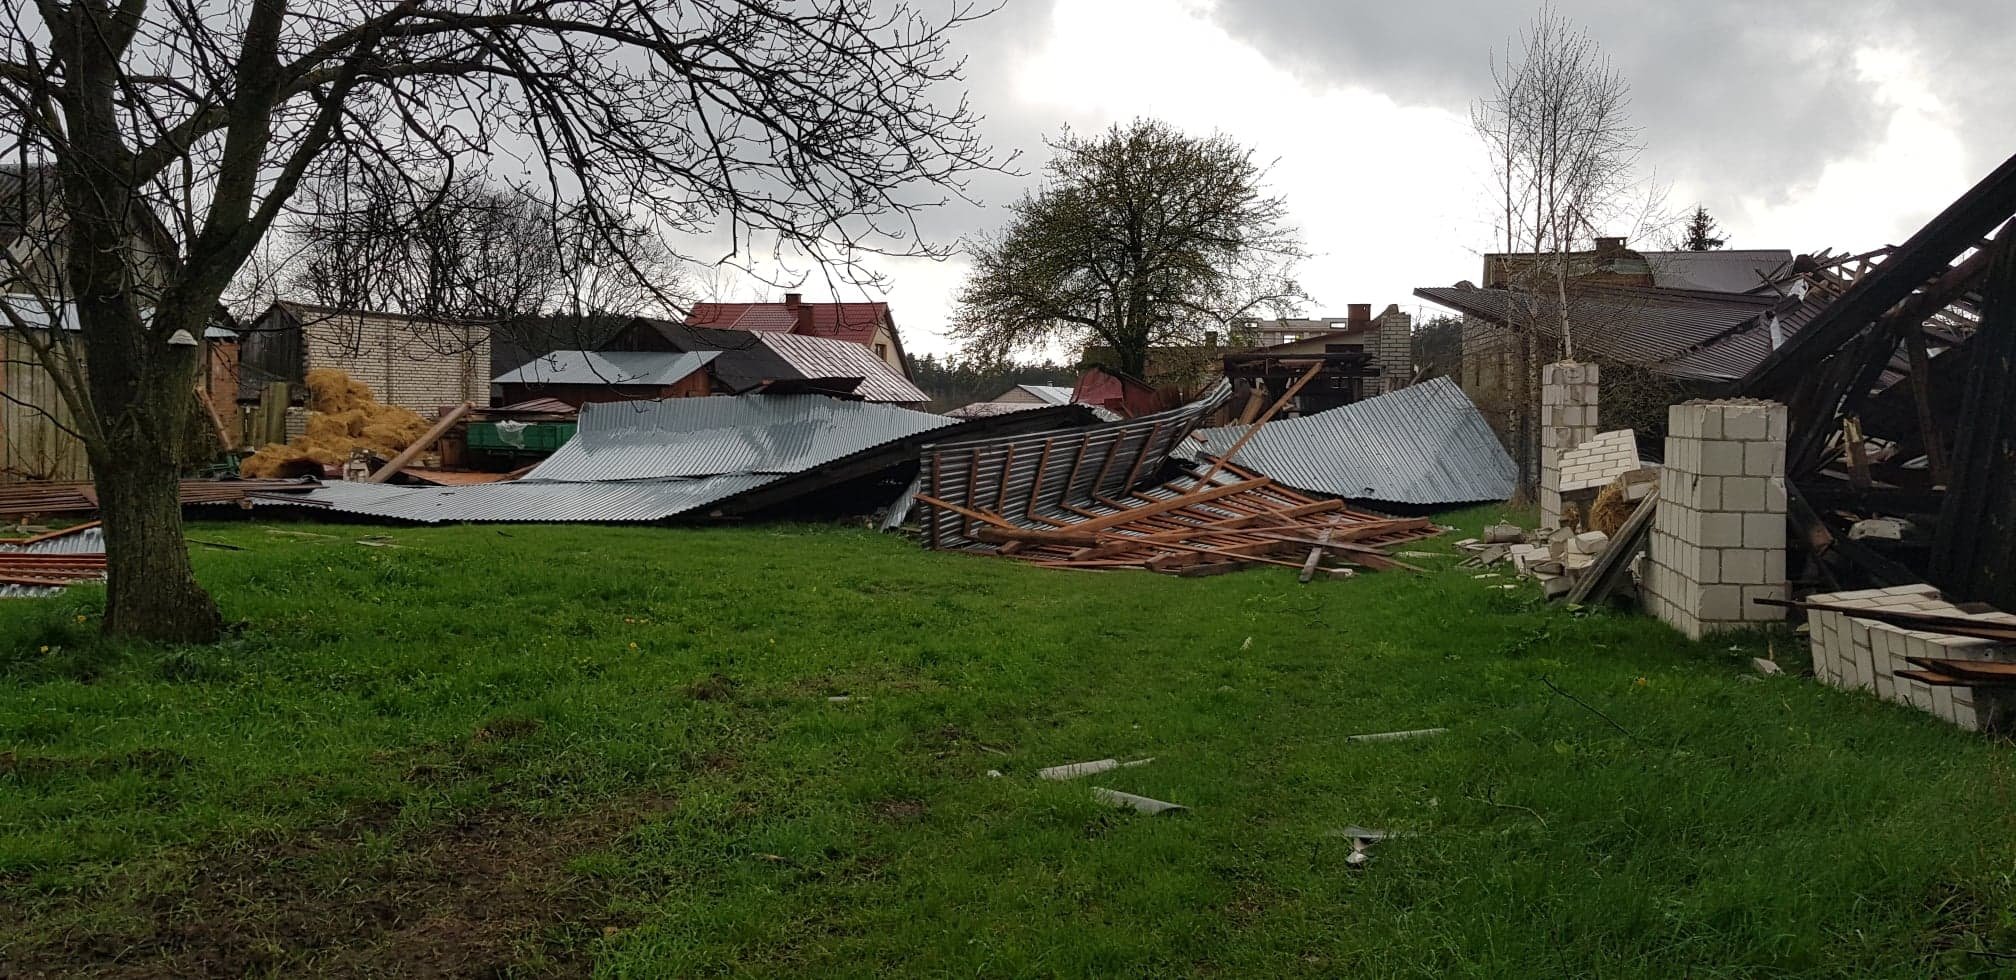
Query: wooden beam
(1921, 397)
(971, 515)
(428, 438)
(1286, 396)
(1315, 556)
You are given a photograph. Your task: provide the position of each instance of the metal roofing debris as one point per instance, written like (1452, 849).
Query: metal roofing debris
(1425, 444)
(88, 542)
(1050, 473)
(650, 460)
(825, 357)
(521, 500)
(689, 437)
(584, 367)
(1049, 394)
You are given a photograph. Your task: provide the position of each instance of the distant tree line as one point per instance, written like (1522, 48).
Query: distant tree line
(953, 381)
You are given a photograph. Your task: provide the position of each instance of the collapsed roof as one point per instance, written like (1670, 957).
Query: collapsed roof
(721, 456)
(1423, 445)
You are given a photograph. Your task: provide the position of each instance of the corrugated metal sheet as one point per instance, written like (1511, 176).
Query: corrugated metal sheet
(689, 437)
(1049, 394)
(825, 357)
(86, 542)
(651, 460)
(1049, 474)
(532, 502)
(584, 367)
(1732, 270)
(1423, 445)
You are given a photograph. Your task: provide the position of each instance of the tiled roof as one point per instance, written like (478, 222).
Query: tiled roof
(854, 322)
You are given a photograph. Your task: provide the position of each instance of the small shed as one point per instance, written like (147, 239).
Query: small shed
(414, 362)
(1118, 392)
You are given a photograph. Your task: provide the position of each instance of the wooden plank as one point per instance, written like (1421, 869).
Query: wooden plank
(972, 515)
(428, 438)
(64, 532)
(1921, 399)
(1315, 556)
(1232, 451)
(1974, 670)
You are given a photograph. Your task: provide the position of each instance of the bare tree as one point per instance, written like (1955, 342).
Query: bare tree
(1564, 158)
(1141, 237)
(177, 135)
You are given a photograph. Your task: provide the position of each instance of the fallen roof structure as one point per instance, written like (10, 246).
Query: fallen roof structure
(1693, 335)
(720, 456)
(1902, 401)
(43, 564)
(1097, 497)
(1423, 445)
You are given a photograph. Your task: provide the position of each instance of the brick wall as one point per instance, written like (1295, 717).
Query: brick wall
(1849, 652)
(1718, 537)
(415, 364)
(1594, 464)
(1568, 403)
(1393, 348)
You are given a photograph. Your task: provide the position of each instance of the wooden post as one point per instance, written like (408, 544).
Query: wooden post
(1286, 397)
(412, 452)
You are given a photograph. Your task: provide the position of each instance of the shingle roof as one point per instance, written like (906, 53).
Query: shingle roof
(1423, 445)
(581, 367)
(1721, 270)
(1657, 328)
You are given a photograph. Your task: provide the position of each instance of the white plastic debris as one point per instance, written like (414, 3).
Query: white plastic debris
(993, 774)
(1766, 667)
(1076, 769)
(1140, 803)
(1395, 736)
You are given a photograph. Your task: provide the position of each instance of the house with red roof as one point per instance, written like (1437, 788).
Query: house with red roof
(867, 324)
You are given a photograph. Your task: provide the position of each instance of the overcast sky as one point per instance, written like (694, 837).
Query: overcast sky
(1800, 124)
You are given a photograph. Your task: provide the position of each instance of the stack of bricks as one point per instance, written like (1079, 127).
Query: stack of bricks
(1568, 401)
(1718, 537)
(1393, 348)
(1594, 464)
(1861, 653)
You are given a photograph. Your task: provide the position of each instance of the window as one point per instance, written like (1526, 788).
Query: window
(882, 351)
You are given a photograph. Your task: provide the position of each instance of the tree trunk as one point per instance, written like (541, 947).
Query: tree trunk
(152, 593)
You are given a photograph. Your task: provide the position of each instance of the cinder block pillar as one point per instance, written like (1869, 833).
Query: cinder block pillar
(1395, 348)
(1718, 537)
(1567, 419)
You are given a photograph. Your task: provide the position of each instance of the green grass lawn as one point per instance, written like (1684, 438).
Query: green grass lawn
(534, 750)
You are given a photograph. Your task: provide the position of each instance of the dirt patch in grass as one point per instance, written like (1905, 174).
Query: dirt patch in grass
(504, 728)
(488, 894)
(900, 811)
(718, 687)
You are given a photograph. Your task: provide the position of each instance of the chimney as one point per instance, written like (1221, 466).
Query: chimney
(1210, 338)
(793, 299)
(1360, 316)
(1609, 246)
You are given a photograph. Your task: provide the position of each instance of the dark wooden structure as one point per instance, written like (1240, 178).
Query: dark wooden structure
(1348, 375)
(1902, 396)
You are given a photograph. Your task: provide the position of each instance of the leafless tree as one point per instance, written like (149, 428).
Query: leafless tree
(1564, 157)
(178, 134)
(1141, 237)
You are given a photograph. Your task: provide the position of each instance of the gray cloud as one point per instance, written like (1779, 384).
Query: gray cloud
(1734, 96)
